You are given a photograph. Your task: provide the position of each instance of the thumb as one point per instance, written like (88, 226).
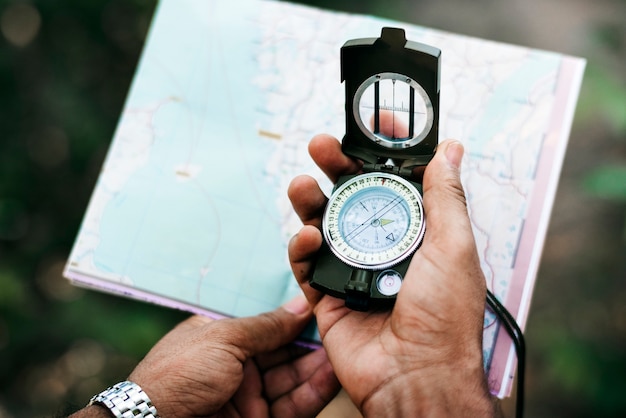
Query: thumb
(446, 269)
(444, 198)
(271, 330)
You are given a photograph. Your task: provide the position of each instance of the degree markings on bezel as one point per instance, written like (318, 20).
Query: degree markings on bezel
(370, 253)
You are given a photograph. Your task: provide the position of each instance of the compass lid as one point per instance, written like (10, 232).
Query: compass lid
(392, 98)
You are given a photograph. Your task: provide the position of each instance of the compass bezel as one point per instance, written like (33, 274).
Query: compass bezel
(405, 247)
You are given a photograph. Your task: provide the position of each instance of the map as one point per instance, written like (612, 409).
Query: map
(191, 210)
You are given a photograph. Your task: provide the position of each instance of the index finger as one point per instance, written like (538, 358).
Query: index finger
(326, 152)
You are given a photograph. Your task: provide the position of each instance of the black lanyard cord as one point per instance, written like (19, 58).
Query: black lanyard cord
(514, 331)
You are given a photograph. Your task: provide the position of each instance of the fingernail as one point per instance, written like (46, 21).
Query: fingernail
(454, 153)
(297, 305)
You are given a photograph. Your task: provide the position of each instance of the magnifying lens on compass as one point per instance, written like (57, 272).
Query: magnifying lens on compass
(393, 110)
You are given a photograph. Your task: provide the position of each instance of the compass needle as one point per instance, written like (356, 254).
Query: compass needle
(384, 222)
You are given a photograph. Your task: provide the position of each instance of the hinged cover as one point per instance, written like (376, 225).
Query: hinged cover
(392, 99)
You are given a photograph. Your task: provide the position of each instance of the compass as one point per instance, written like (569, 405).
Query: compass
(374, 221)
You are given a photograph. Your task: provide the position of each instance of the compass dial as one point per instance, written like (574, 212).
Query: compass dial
(393, 110)
(374, 221)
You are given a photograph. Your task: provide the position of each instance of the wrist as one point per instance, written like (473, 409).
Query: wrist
(434, 392)
(124, 399)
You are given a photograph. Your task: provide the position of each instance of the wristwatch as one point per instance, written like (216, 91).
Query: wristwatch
(126, 400)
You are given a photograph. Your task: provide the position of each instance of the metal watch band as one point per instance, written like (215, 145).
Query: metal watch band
(126, 400)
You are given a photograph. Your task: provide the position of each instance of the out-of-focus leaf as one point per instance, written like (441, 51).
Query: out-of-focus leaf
(603, 97)
(608, 181)
(12, 290)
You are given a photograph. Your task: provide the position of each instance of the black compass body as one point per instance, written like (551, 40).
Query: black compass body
(374, 221)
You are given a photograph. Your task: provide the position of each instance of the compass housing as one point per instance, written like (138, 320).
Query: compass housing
(363, 285)
(412, 63)
(388, 196)
(392, 119)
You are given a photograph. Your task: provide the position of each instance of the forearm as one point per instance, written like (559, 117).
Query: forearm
(92, 411)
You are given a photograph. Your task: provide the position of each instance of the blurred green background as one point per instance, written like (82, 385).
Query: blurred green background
(65, 67)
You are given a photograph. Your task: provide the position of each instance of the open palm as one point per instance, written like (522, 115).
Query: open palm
(427, 349)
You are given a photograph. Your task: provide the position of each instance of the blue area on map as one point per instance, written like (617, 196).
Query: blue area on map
(175, 234)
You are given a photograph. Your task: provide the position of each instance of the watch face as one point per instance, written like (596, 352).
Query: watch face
(393, 110)
(374, 221)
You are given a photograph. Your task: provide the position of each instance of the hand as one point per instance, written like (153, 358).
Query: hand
(424, 357)
(237, 367)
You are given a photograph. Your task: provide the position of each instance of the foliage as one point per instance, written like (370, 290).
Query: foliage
(608, 181)
(61, 96)
(604, 99)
